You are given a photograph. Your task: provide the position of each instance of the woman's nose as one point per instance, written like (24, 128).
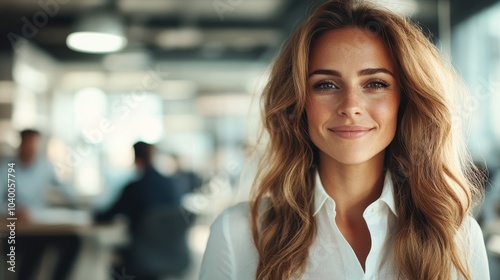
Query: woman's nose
(350, 103)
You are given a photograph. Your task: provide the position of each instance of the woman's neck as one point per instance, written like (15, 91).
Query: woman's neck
(353, 187)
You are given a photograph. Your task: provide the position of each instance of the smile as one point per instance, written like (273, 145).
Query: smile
(350, 132)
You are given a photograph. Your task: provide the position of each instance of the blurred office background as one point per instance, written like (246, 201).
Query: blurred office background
(186, 75)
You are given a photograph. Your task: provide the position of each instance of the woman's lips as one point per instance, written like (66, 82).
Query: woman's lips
(350, 132)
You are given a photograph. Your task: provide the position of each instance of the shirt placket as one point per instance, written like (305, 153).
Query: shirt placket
(352, 267)
(378, 230)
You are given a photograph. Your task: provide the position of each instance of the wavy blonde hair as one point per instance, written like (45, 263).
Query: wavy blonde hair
(434, 182)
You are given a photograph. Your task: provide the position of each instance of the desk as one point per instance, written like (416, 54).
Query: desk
(98, 241)
(38, 229)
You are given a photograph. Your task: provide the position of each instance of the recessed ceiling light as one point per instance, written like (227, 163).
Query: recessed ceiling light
(99, 32)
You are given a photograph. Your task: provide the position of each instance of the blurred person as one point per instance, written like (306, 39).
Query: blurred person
(187, 180)
(137, 201)
(34, 175)
(366, 174)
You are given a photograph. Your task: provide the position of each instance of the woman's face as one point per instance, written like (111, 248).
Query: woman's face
(353, 96)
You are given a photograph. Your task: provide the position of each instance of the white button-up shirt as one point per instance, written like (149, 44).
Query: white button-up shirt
(231, 253)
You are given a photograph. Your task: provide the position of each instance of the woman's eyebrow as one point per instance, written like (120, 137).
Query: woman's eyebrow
(372, 71)
(364, 72)
(326, 72)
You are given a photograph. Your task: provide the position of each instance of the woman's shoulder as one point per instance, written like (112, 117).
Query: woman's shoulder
(231, 253)
(238, 213)
(234, 222)
(476, 249)
(471, 227)
(470, 233)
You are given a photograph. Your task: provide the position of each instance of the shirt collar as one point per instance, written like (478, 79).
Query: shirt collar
(387, 196)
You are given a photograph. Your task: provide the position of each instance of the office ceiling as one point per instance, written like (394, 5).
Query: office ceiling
(172, 29)
(189, 29)
(164, 29)
(221, 42)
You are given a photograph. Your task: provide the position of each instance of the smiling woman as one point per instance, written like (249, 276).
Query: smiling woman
(353, 98)
(365, 175)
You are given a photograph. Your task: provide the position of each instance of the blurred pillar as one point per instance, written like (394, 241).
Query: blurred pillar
(6, 82)
(7, 89)
(464, 9)
(6, 63)
(444, 22)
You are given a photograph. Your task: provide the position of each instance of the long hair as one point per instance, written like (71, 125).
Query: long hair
(434, 185)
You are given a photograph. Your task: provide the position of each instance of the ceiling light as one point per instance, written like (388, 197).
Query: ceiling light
(99, 32)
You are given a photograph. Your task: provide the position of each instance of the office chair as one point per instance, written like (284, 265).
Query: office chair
(159, 246)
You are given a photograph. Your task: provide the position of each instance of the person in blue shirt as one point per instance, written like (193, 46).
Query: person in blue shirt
(34, 175)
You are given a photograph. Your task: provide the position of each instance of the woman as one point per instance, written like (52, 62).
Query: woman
(365, 175)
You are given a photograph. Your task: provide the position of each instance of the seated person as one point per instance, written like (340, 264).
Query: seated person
(151, 191)
(34, 174)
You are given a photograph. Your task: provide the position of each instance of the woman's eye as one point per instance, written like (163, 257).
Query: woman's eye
(325, 86)
(377, 85)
